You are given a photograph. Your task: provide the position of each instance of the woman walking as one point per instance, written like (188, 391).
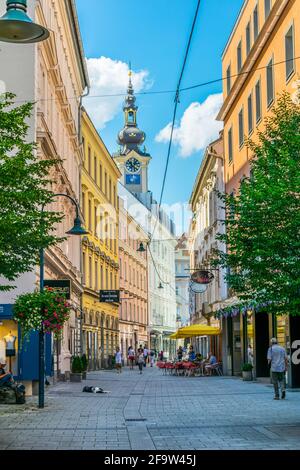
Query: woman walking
(141, 360)
(118, 360)
(131, 357)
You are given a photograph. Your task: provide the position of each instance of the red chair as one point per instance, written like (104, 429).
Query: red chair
(170, 367)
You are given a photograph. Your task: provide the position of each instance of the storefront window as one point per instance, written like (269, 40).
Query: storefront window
(9, 345)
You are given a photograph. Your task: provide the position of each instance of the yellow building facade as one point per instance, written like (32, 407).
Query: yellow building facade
(260, 62)
(100, 268)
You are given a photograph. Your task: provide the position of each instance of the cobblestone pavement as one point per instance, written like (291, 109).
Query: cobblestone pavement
(152, 411)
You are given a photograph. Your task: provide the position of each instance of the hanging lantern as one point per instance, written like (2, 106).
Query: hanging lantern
(16, 26)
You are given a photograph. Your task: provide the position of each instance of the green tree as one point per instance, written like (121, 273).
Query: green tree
(23, 190)
(263, 217)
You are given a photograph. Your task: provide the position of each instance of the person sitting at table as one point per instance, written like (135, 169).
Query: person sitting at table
(6, 379)
(179, 353)
(199, 357)
(192, 355)
(212, 360)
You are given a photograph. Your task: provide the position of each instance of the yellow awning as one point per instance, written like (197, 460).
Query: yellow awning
(196, 330)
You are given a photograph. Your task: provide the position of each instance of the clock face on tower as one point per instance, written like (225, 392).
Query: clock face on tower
(133, 165)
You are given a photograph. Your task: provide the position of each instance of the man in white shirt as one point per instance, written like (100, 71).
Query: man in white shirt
(278, 360)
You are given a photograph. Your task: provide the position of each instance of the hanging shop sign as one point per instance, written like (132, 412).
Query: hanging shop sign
(198, 288)
(110, 296)
(202, 277)
(59, 286)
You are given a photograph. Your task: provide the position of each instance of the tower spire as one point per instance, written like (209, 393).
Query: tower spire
(131, 137)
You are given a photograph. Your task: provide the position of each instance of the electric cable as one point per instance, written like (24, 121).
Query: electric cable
(160, 92)
(177, 96)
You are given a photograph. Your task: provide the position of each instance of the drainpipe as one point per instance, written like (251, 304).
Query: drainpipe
(80, 200)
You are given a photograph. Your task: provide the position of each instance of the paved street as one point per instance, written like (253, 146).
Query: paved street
(153, 411)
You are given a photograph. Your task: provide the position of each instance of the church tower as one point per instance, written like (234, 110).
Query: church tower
(131, 159)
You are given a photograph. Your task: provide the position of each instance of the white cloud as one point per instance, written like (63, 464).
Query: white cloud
(198, 126)
(109, 77)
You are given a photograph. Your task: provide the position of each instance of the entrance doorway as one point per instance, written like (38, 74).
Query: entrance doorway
(295, 355)
(262, 340)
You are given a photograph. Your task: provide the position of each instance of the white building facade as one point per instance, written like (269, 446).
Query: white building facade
(182, 274)
(205, 225)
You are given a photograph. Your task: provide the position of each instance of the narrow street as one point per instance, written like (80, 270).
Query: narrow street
(153, 411)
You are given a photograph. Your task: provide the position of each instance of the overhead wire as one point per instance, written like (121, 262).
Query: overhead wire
(160, 92)
(176, 102)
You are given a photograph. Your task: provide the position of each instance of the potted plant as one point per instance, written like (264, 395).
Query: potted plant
(247, 371)
(76, 369)
(84, 366)
(41, 310)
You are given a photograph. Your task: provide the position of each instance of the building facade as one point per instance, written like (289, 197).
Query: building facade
(54, 76)
(205, 225)
(133, 311)
(133, 162)
(259, 62)
(182, 277)
(100, 259)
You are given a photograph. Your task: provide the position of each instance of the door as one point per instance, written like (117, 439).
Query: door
(262, 340)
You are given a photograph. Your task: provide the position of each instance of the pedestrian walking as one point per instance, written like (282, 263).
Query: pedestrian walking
(118, 361)
(250, 355)
(278, 361)
(141, 360)
(152, 358)
(131, 357)
(146, 352)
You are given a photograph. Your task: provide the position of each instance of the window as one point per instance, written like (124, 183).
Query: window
(239, 57)
(89, 161)
(90, 216)
(115, 199)
(83, 205)
(101, 182)
(241, 127)
(250, 114)
(106, 279)
(96, 275)
(101, 277)
(90, 272)
(230, 146)
(83, 269)
(267, 8)
(255, 22)
(95, 169)
(109, 190)
(105, 184)
(95, 221)
(228, 79)
(270, 83)
(248, 38)
(258, 101)
(289, 53)
(111, 281)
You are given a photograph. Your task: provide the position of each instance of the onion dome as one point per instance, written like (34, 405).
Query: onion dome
(130, 137)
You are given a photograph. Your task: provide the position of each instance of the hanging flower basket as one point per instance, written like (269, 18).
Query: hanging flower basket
(48, 309)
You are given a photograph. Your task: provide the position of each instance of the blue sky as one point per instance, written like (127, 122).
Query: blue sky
(153, 35)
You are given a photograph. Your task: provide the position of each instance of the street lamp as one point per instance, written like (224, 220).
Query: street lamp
(17, 27)
(76, 230)
(141, 248)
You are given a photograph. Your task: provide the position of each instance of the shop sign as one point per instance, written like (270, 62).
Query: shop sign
(110, 296)
(198, 288)
(202, 277)
(6, 311)
(60, 286)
